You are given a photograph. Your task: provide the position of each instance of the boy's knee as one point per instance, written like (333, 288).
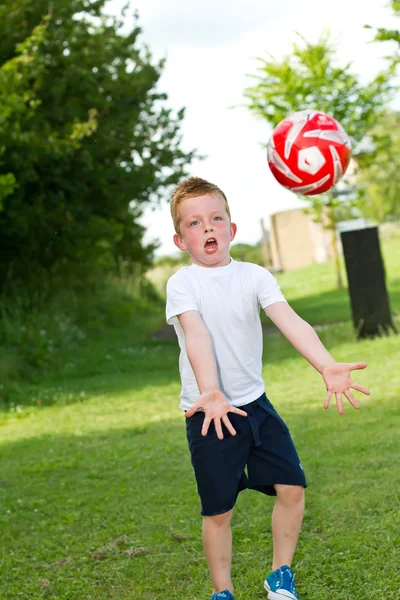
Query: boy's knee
(291, 495)
(220, 520)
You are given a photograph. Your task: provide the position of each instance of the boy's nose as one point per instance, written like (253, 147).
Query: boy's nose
(208, 230)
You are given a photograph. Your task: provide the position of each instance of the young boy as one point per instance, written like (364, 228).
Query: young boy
(214, 307)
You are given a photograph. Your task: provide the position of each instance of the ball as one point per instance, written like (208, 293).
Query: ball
(309, 152)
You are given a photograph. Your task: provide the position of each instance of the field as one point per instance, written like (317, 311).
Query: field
(97, 496)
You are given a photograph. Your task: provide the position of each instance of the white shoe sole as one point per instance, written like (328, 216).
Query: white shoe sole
(274, 596)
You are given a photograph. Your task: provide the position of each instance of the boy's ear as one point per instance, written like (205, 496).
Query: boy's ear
(233, 231)
(179, 243)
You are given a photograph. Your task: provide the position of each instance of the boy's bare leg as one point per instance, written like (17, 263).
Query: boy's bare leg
(217, 544)
(287, 517)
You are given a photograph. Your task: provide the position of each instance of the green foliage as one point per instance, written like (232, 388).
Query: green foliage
(181, 259)
(238, 251)
(309, 78)
(165, 266)
(7, 186)
(19, 77)
(85, 140)
(378, 179)
(378, 169)
(390, 35)
(42, 336)
(248, 253)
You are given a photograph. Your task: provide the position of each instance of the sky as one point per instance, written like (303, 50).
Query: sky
(210, 48)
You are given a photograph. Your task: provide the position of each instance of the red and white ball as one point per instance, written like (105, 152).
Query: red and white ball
(309, 152)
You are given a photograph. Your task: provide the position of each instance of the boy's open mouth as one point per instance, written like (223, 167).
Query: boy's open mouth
(211, 245)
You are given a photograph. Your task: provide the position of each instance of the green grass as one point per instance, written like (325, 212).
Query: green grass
(313, 293)
(97, 496)
(98, 499)
(72, 334)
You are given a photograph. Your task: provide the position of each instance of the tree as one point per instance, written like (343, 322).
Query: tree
(387, 35)
(309, 78)
(378, 179)
(86, 139)
(248, 253)
(18, 78)
(378, 174)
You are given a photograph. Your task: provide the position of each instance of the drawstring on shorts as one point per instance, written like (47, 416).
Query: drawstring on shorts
(253, 424)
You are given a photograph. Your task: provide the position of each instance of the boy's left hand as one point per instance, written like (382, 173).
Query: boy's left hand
(338, 381)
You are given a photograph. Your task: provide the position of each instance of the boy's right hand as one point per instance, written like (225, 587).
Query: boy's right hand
(216, 408)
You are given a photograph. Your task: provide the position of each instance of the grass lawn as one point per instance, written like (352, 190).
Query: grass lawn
(98, 500)
(313, 294)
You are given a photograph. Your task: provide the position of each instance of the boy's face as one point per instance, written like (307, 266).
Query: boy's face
(205, 230)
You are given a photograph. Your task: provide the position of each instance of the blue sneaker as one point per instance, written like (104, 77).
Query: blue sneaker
(280, 584)
(226, 595)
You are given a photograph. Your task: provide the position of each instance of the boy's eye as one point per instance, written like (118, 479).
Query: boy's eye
(217, 218)
(193, 223)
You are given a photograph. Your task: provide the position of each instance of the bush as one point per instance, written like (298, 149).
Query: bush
(38, 332)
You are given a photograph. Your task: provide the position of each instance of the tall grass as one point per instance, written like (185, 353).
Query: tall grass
(41, 339)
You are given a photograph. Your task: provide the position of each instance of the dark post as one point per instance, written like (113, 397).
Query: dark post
(366, 277)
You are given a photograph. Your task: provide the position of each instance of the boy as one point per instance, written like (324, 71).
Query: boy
(214, 306)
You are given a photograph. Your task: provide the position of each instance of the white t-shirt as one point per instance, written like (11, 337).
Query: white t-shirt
(229, 300)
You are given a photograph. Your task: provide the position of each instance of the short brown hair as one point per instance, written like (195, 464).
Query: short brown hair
(190, 188)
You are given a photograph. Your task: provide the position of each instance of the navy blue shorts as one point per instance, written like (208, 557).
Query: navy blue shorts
(260, 455)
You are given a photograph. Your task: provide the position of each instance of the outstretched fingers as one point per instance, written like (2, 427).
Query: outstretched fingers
(238, 411)
(225, 420)
(339, 403)
(218, 428)
(339, 400)
(206, 425)
(327, 399)
(351, 399)
(358, 365)
(360, 388)
(228, 425)
(189, 413)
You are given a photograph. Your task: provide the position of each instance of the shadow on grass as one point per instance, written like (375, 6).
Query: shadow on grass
(116, 514)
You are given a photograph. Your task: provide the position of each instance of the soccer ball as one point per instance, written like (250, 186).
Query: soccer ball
(309, 152)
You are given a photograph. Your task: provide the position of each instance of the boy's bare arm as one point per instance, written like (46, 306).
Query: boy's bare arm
(304, 338)
(200, 351)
